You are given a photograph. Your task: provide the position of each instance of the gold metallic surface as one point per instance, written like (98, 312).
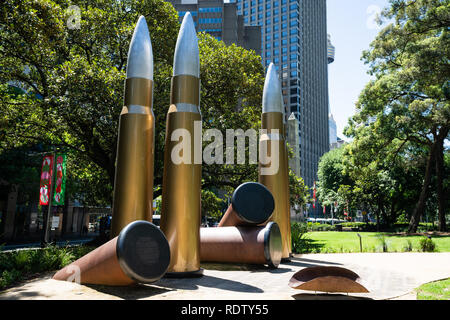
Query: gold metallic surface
(287, 195)
(181, 209)
(133, 186)
(278, 184)
(185, 89)
(138, 91)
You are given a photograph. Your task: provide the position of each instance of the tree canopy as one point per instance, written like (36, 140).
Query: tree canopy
(72, 66)
(403, 115)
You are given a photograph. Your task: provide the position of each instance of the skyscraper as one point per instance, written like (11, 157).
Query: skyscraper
(222, 21)
(331, 122)
(333, 129)
(294, 37)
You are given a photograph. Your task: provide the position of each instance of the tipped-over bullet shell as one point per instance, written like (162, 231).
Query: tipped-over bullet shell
(133, 185)
(139, 254)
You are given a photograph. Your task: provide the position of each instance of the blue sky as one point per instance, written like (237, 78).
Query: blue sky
(351, 26)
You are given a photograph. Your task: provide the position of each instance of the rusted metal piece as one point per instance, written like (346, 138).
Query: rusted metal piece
(140, 253)
(252, 245)
(251, 204)
(327, 279)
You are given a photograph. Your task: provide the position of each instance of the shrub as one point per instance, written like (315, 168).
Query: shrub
(408, 247)
(383, 243)
(427, 245)
(299, 238)
(15, 265)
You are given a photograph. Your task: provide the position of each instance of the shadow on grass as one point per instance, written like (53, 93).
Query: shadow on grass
(307, 245)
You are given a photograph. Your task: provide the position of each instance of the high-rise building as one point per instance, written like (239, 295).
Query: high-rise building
(221, 20)
(293, 138)
(333, 129)
(331, 51)
(331, 122)
(294, 38)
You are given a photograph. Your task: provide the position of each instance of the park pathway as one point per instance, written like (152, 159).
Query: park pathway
(385, 275)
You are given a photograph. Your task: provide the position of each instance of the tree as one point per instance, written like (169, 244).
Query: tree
(407, 105)
(331, 176)
(74, 77)
(298, 192)
(232, 86)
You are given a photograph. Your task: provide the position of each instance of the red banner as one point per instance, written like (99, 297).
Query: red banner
(46, 180)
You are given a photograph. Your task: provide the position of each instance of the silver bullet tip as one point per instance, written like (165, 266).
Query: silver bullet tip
(187, 58)
(272, 95)
(140, 54)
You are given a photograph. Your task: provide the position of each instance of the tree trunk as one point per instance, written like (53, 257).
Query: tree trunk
(440, 180)
(420, 206)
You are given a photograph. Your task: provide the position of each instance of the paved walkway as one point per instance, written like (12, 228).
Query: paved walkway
(385, 275)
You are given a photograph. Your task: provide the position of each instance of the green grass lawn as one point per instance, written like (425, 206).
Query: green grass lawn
(439, 290)
(348, 242)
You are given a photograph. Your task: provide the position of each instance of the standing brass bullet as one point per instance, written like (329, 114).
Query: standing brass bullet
(181, 194)
(133, 185)
(275, 175)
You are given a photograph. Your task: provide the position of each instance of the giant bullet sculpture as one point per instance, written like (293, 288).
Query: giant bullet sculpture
(181, 209)
(133, 185)
(251, 204)
(287, 194)
(274, 174)
(139, 254)
(253, 245)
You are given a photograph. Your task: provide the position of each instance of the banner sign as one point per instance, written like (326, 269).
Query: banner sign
(46, 180)
(60, 183)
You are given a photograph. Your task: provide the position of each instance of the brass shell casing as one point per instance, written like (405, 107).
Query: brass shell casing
(181, 194)
(133, 184)
(287, 195)
(249, 244)
(278, 184)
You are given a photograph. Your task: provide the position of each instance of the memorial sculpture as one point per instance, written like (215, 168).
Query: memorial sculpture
(133, 184)
(256, 227)
(277, 181)
(181, 191)
(139, 254)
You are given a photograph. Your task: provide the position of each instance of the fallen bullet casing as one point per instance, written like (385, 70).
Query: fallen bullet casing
(251, 245)
(140, 253)
(251, 204)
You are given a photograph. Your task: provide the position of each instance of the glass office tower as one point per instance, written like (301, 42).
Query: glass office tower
(294, 37)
